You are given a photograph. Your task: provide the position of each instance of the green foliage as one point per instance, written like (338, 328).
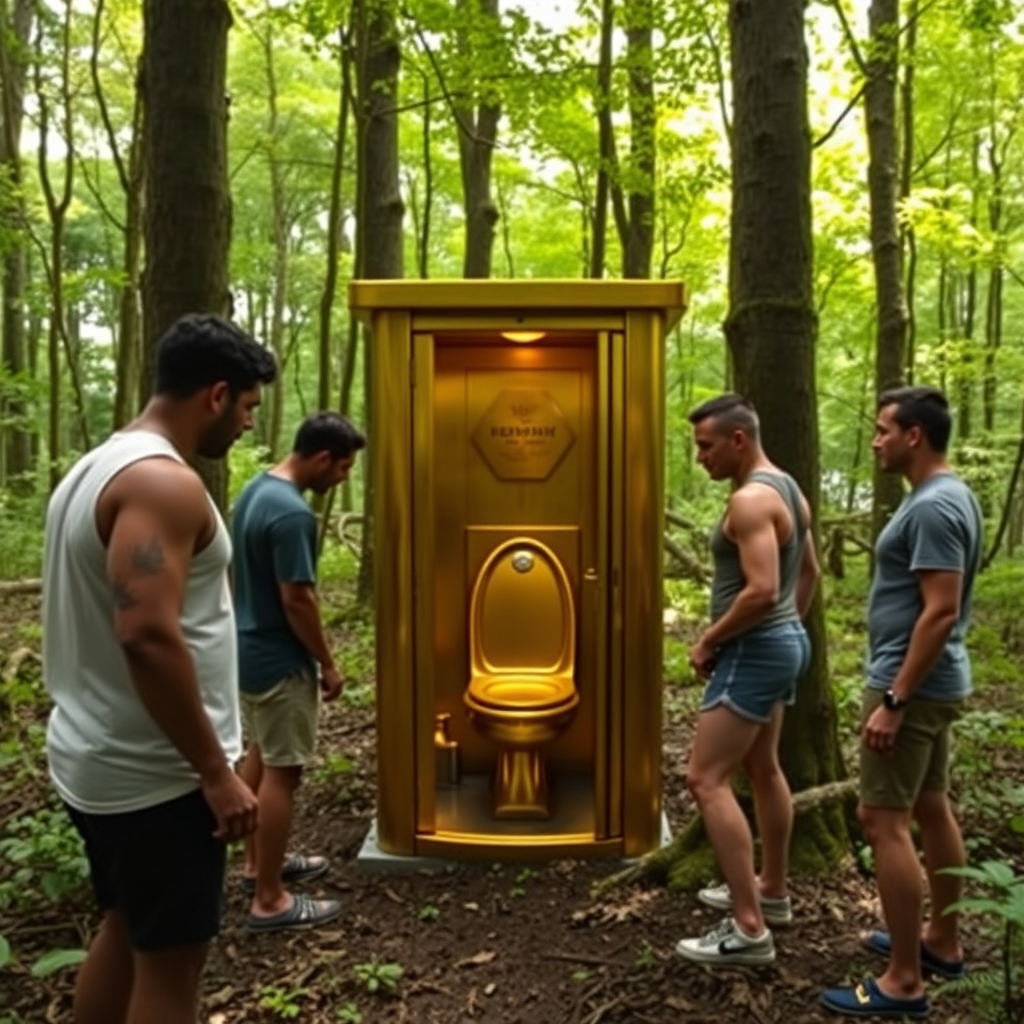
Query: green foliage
(43, 857)
(428, 912)
(349, 1013)
(57, 960)
(997, 991)
(378, 977)
(282, 1002)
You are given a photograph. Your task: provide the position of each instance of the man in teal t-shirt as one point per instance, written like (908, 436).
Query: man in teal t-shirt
(918, 674)
(284, 659)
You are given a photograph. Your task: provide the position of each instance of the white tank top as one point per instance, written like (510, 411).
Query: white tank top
(106, 753)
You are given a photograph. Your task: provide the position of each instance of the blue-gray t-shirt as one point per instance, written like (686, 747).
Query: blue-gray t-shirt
(937, 526)
(273, 531)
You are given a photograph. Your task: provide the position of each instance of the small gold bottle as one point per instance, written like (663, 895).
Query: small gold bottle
(446, 753)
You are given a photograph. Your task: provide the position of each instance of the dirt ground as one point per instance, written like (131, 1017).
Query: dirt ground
(501, 943)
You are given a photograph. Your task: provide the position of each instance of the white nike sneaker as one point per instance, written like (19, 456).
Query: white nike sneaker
(777, 910)
(726, 944)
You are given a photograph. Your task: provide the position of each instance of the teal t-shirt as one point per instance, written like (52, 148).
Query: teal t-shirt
(937, 526)
(273, 531)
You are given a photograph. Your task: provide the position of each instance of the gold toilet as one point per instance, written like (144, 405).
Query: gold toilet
(522, 688)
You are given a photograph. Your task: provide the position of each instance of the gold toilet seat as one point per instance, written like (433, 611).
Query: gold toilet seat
(517, 694)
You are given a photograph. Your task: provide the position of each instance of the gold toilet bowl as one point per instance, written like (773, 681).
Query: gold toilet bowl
(522, 691)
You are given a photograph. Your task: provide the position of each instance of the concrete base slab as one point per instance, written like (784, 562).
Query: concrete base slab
(371, 859)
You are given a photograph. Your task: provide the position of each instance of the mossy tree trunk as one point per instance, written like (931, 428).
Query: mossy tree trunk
(772, 329)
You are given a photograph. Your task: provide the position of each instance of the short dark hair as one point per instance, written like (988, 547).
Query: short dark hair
(201, 349)
(927, 408)
(328, 432)
(730, 412)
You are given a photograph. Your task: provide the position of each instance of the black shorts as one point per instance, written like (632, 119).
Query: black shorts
(161, 868)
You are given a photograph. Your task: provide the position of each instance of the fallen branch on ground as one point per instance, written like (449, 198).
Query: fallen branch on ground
(21, 586)
(804, 801)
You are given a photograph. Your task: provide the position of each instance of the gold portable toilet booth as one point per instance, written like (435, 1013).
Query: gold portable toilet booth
(517, 470)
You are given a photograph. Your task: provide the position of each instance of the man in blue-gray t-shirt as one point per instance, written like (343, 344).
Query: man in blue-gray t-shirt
(285, 662)
(926, 561)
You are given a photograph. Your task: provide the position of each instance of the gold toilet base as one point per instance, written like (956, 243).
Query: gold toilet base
(520, 787)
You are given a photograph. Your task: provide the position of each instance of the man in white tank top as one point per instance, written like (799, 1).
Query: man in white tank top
(140, 660)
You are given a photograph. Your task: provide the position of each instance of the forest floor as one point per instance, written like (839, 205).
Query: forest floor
(500, 943)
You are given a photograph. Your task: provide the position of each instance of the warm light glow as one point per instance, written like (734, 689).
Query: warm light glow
(523, 336)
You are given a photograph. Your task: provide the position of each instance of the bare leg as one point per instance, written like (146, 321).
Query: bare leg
(773, 805)
(251, 773)
(103, 988)
(723, 740)
(898, 874)
(167, 986)
(277, 800)
(943, 847)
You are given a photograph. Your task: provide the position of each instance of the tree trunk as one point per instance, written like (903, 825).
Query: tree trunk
(883, 159)
(638, 240)
(187, 220)
(379, 217)
(334, 224)
(908, 240)
(771, 329)
(129, 334)
(16, 439)
(994, 304)
(605, 143)
(477, 132)
(280, 232)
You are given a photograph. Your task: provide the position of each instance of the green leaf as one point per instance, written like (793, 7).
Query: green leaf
(5, 952)
(56, 960)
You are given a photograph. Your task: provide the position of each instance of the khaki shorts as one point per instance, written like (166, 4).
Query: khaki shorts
(282, 721)
(920, 760)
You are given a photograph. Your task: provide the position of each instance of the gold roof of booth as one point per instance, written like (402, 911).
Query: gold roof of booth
(569, 296)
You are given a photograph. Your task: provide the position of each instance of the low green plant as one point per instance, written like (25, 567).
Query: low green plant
(997, 991)
(349, 1013)
(282, 1002)
(46, 858)
(378, 977)
(334, 767)
(428, 912)
(581, 975)
(645, 957)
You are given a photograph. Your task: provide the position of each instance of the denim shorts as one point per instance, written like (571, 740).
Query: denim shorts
(757, 670)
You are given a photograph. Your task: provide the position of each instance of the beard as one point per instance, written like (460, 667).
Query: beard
(220, 436)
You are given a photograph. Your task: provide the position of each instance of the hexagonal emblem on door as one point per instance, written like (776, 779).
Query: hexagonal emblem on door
(523, 435)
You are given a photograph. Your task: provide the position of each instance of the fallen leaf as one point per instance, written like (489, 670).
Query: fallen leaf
(483, 957)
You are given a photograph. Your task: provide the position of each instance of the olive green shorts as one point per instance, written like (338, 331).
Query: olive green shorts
(920, 759)
(282, 721)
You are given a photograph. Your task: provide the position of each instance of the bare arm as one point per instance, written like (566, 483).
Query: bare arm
(754, 535)
(302, 610)
(810, 570)
(940, 609)
(160, 514)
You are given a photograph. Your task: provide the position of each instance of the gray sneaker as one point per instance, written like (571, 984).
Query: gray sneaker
(726, 944)
(777, 910)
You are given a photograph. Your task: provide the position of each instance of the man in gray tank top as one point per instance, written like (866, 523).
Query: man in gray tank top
(751, 654)
(139, 657)
(918, 676)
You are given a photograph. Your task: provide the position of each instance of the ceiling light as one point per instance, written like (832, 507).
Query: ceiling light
(523, 337)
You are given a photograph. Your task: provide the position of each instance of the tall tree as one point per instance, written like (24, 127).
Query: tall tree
(187, 221)
(883, 184)
(771, 329)
(478, 130)
(129, 174)
(380, 209)
(15, 436)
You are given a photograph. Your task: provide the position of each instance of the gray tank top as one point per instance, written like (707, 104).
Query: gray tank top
(728, 579)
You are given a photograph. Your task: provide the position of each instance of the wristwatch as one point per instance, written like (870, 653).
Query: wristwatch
(892, 702)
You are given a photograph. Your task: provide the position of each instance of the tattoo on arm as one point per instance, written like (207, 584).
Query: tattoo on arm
(146, 560)
(123, 596)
